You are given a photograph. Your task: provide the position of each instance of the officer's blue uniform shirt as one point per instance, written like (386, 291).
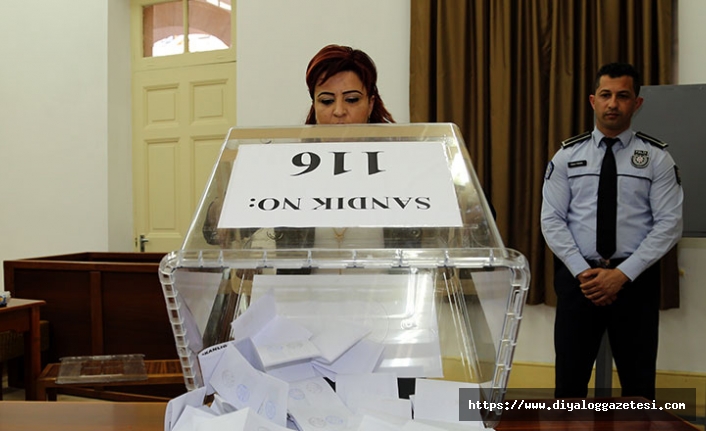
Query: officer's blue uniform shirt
(650, 201)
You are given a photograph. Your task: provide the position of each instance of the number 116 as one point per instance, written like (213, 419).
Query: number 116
(311, 161)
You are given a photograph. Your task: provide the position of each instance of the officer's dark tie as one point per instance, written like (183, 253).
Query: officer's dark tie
(607, 202)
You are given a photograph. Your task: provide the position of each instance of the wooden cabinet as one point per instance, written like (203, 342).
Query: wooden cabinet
(98, 304)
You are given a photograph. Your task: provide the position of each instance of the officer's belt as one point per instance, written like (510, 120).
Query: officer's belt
(606, 263)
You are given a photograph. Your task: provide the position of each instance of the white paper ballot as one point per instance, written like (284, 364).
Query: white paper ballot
(437, 400)
(288, 353)
(390, 409)
(234, 421)
(354, 387)
(220, 406)
(176, 406)
(315, 406)
(339, 336)
(254, 319)
(363, 357)
(294, 372)
(247, 348)
(274, 406)
(241, 420)
(281, 330)
(208, 361)
(373, 423)
(191, 417)
(237, 381)
(323, 372)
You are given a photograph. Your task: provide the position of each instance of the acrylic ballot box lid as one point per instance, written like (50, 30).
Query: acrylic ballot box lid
(348, 249)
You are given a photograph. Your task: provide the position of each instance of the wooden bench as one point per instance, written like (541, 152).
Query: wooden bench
(159, 372)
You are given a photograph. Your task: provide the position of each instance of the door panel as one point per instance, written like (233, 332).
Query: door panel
(205, 153)
(181, 117)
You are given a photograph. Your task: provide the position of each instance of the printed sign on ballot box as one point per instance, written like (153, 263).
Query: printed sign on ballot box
(371, 184)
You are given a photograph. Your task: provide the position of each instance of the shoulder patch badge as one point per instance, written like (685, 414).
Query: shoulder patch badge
(575, 139)
(640, 159)
(549, 171)
(653, 141)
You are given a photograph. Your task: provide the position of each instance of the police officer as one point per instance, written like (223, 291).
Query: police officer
(608, 231)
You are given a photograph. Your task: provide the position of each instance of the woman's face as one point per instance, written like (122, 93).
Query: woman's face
(342, 99)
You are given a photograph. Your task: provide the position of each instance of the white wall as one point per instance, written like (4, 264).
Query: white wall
(681, 345)
(65, 140)
(692, 33)
(53, 127)
(277, 38)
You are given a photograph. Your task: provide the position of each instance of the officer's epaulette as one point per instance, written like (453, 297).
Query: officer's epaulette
(654, 141)
(575, 140)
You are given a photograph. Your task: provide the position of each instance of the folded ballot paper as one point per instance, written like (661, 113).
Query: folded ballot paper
(286, 351)
(313, 405)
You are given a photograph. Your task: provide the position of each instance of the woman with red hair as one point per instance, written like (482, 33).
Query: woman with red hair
(343, 88)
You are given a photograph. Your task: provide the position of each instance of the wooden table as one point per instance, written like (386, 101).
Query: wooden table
(81, 416)
(530, 420)
(22, 315)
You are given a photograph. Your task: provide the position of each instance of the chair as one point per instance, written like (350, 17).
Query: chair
(12, 346)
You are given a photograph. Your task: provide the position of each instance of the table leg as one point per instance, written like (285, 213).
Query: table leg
(33, 366)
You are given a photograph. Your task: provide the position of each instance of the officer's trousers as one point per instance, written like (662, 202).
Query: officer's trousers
(632, 322)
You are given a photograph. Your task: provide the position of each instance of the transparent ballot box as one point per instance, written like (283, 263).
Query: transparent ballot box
(324, 251)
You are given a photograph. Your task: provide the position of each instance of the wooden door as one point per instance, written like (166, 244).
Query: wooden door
(183, 106)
